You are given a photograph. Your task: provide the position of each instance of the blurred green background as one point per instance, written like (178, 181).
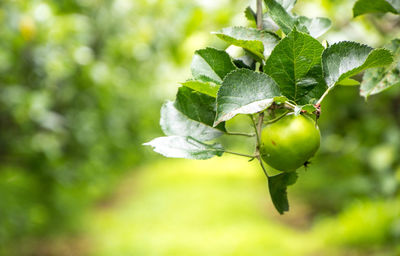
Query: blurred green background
(81, 85)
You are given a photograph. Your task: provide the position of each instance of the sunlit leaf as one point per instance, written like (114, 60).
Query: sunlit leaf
(346, 59)
(245, 92)
(280, 16)
(349, 82)
(295, 65)
(211, 65)
(260, 43)
(208, 88)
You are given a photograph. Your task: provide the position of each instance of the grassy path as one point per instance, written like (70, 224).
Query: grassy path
(179, 207)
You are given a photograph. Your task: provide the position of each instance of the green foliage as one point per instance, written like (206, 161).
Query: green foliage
(277, 186)
(259, 43)
(295, 65)
(298, 72)
(380, 79)
(174, 122)
(245, 92)
(75, 83)
(346, 59)
(211, 65)
(375, 6)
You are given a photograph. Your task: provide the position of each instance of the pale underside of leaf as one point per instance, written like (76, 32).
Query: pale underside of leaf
(316, 26)
(379, 79)
(184, 147)
(260, 43)
(173, 122)
(251, 108)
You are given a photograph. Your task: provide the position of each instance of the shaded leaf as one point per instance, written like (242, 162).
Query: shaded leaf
(174, 122)
(211, 65)
(208, 88)
(184, 147)
(295, 65)
(197, 106)
(375, 6)
(257, 42)
(346, 59)
(380, 79)
(244, 92)
(277, 188)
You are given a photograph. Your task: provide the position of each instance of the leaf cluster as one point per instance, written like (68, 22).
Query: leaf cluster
(282, 65)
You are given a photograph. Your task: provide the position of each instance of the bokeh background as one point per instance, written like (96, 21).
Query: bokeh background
(81, 85)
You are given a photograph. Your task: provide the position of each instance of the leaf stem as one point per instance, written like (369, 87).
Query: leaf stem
(324, 95)
(259, 14)
(257, 128)
(241, 134)
(289, 105)
(276, 119)
(263, 167)
(239, 154)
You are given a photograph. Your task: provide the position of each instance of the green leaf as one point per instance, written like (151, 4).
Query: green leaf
(349, 82)
(316, 27)
(174, 122)
(257, 42)
(197, 106)
(380, 79)
(281, 17)
(295, 64)
(375, 6)
(211, 65)
(208, 88)
(184, 147)
(346, 59)
(250, 14)
(309, 108)
(277, 188)
(244, 92)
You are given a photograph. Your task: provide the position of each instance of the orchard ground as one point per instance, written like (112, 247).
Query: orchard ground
(218, 207)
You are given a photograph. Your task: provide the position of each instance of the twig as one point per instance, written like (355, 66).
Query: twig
(259, 14)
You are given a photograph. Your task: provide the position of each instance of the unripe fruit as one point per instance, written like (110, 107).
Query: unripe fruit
(288, 143)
